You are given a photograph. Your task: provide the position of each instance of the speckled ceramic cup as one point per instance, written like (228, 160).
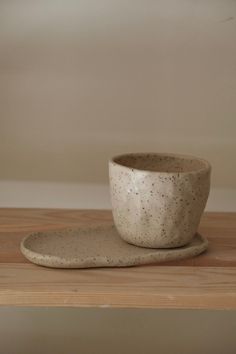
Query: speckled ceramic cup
(158, 198)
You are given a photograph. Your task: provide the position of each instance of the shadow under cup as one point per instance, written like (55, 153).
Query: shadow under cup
(158, 199)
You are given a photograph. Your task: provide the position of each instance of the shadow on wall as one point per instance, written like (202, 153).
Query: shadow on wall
(86, 160)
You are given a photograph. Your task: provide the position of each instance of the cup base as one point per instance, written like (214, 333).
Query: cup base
(169, 246)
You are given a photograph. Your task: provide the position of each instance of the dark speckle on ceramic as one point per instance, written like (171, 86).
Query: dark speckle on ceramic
(158, 199)
(98, 247)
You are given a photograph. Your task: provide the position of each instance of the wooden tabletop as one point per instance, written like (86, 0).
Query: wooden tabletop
(207, 281)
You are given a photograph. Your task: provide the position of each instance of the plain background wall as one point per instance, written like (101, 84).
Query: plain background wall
(81, 81)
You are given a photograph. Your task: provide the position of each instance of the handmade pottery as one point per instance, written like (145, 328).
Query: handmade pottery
(98, 247)
(157, 198)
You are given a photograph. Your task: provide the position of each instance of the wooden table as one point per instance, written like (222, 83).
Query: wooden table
(204, 282)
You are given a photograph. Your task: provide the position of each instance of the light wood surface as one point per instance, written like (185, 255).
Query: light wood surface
(207, 281)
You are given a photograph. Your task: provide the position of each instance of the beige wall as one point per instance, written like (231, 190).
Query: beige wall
(81, 81)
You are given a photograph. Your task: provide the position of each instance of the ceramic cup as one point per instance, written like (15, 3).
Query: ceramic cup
(158, 198)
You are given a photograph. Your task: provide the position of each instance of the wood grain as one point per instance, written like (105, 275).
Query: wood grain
(207, 281)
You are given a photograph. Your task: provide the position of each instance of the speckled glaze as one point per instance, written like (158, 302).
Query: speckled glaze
(97, 247)
(157, 198)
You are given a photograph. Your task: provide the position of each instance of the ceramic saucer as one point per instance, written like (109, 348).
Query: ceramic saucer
(98, 247)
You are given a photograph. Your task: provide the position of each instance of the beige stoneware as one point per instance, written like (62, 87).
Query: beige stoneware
(157, 198)
(98, 247)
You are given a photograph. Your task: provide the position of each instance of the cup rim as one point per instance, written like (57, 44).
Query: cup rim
(188, 157)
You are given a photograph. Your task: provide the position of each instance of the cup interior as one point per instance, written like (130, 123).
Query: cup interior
(155, 162)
